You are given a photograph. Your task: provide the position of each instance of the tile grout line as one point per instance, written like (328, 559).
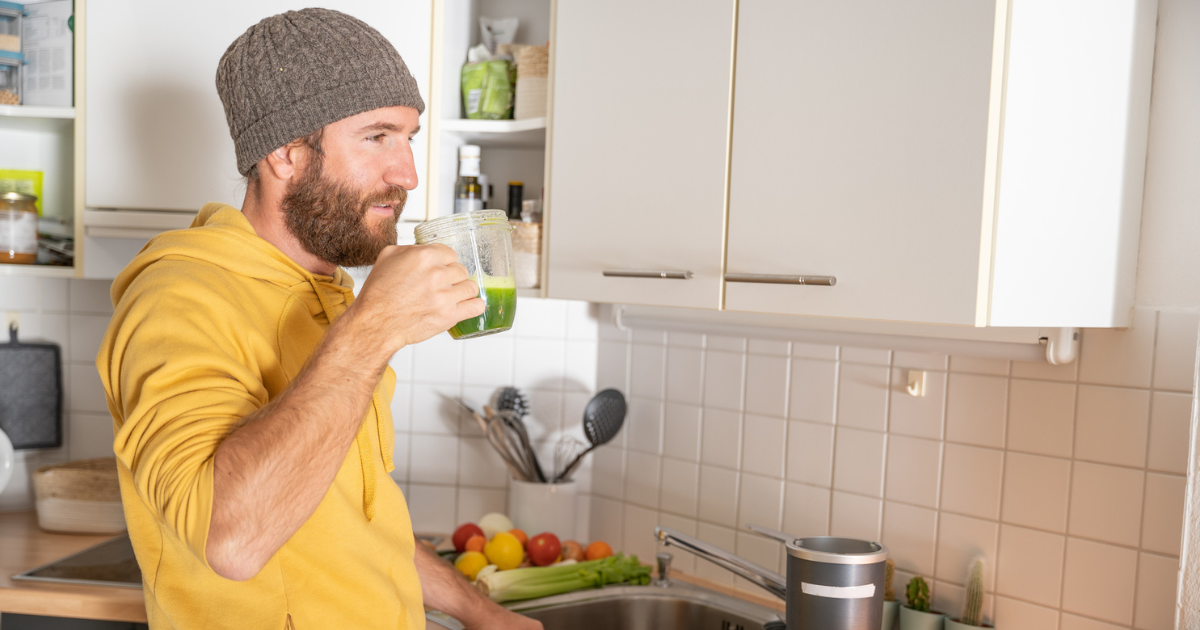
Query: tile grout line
(1137, 558)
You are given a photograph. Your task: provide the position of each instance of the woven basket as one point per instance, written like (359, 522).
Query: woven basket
(82, 497)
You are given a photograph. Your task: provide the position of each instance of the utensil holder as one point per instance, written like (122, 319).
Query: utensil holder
(543, 507)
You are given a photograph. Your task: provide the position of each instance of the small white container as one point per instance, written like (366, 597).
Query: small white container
(543, 507)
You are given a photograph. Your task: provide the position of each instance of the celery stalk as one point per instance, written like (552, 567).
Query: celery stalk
(533, 582)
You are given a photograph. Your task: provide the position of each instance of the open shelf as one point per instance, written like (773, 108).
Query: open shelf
(528, 133)
(41, 271)
(34, 111)
(33, 118)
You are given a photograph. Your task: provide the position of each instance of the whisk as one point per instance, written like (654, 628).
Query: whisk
(565, 452)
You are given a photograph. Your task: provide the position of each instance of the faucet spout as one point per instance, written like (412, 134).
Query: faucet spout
(761, 576)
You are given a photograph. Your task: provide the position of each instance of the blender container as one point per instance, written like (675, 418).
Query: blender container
(482, 239)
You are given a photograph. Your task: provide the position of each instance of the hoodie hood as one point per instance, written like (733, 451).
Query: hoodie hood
(221, 228)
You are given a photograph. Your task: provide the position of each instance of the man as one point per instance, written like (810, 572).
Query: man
(249, 389)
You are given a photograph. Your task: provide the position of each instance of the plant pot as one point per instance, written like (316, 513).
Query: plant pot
(954, 624)
(891, 612)
(916, 620)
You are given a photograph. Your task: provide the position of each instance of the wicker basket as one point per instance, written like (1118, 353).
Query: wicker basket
(82, 497)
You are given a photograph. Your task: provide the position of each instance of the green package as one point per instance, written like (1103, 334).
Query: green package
(28, 182)
(487, 89)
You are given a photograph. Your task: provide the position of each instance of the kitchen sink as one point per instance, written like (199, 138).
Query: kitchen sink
(677, 606)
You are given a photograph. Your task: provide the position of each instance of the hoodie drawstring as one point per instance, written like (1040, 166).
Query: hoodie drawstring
(365, 455)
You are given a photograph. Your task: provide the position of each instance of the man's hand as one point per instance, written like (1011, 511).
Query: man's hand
(445, 589)
(415, 292)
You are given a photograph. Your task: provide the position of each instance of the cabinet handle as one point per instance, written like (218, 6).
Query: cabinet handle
(769, 278)
(648, 273)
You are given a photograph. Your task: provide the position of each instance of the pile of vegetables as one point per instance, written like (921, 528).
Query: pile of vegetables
(507, 565)
(532, 582)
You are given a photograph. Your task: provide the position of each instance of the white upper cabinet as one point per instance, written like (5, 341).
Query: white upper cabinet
(640, 128)
(947, 161)
(156, 132)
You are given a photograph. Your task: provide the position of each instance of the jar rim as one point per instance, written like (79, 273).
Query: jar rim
(17, 196)
(442, 227)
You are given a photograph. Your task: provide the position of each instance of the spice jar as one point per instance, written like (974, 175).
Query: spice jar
(18, 228)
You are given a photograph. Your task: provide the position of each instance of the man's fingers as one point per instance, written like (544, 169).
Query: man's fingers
(465, 289)
(469, 308)
(458, 272)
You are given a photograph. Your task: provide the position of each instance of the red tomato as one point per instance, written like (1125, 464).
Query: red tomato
(544, 549)
(463, 534)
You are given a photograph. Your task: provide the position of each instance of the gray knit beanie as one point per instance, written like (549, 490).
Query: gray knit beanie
(293, 73)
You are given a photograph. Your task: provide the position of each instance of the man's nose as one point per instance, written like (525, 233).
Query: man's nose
(402, 171)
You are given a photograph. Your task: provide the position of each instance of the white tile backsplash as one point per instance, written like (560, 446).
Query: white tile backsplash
(1041, 417)
(1100, 581)
(1030, 565)
(975, 409)
(863, 396)
(1055, 474)
(1106, 503)
(1000, 459)
(1112, 425)
(1121, 357)
(813, 390)
(1170, 416)
(1154, 602)
(766, 385)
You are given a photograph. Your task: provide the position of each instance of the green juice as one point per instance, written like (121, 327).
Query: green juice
(498, 314)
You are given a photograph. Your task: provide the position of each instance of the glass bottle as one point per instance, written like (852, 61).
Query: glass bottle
(468, 193)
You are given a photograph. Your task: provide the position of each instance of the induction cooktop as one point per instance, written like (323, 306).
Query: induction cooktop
(110, 563)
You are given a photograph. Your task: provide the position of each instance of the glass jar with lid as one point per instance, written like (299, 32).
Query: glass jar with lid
(18, 228)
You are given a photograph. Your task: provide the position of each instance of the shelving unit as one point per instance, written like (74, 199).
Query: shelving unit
(513, 150)
(49, 139)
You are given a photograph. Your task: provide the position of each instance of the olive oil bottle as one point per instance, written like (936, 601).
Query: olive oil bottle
(468, 192)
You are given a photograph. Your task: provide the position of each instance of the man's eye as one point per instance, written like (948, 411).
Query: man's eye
(376, 138)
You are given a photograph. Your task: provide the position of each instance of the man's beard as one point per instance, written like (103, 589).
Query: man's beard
(329, 219)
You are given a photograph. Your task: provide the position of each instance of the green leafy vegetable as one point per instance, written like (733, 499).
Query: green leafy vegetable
(532, 582)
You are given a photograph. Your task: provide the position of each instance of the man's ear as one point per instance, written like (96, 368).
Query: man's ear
(284, 161)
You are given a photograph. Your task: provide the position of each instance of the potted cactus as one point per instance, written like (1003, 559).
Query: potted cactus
(916, 615)
(891, 607)
(972, 614)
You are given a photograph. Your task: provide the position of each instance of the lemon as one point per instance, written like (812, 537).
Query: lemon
(505, 551)
(469, 563)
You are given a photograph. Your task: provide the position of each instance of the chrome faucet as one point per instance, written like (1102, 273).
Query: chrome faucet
(760, 575)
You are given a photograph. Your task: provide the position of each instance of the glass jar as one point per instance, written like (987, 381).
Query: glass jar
(10, 77)
(482, 239)
(18, 228)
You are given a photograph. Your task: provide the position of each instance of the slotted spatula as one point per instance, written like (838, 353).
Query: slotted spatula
(602, 420)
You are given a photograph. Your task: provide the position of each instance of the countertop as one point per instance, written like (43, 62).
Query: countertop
(24, 546)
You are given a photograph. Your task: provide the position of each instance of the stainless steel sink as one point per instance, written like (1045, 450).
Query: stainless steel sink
(677, 606)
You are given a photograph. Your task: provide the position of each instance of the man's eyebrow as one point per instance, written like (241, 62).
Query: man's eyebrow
(380, 126)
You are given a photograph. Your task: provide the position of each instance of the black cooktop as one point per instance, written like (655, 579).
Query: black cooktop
(110, 563)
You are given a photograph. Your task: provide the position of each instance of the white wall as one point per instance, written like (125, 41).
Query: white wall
(1170, 243)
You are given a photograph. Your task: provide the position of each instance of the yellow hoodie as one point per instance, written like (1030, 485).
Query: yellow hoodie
(210, 324)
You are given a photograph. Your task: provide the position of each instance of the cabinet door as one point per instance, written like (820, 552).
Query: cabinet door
(859, 144)
(639, 148)
(156, 132)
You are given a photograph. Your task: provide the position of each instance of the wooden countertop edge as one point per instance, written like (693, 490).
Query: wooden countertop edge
(108, 604)
(24, 546)
(749, 596)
